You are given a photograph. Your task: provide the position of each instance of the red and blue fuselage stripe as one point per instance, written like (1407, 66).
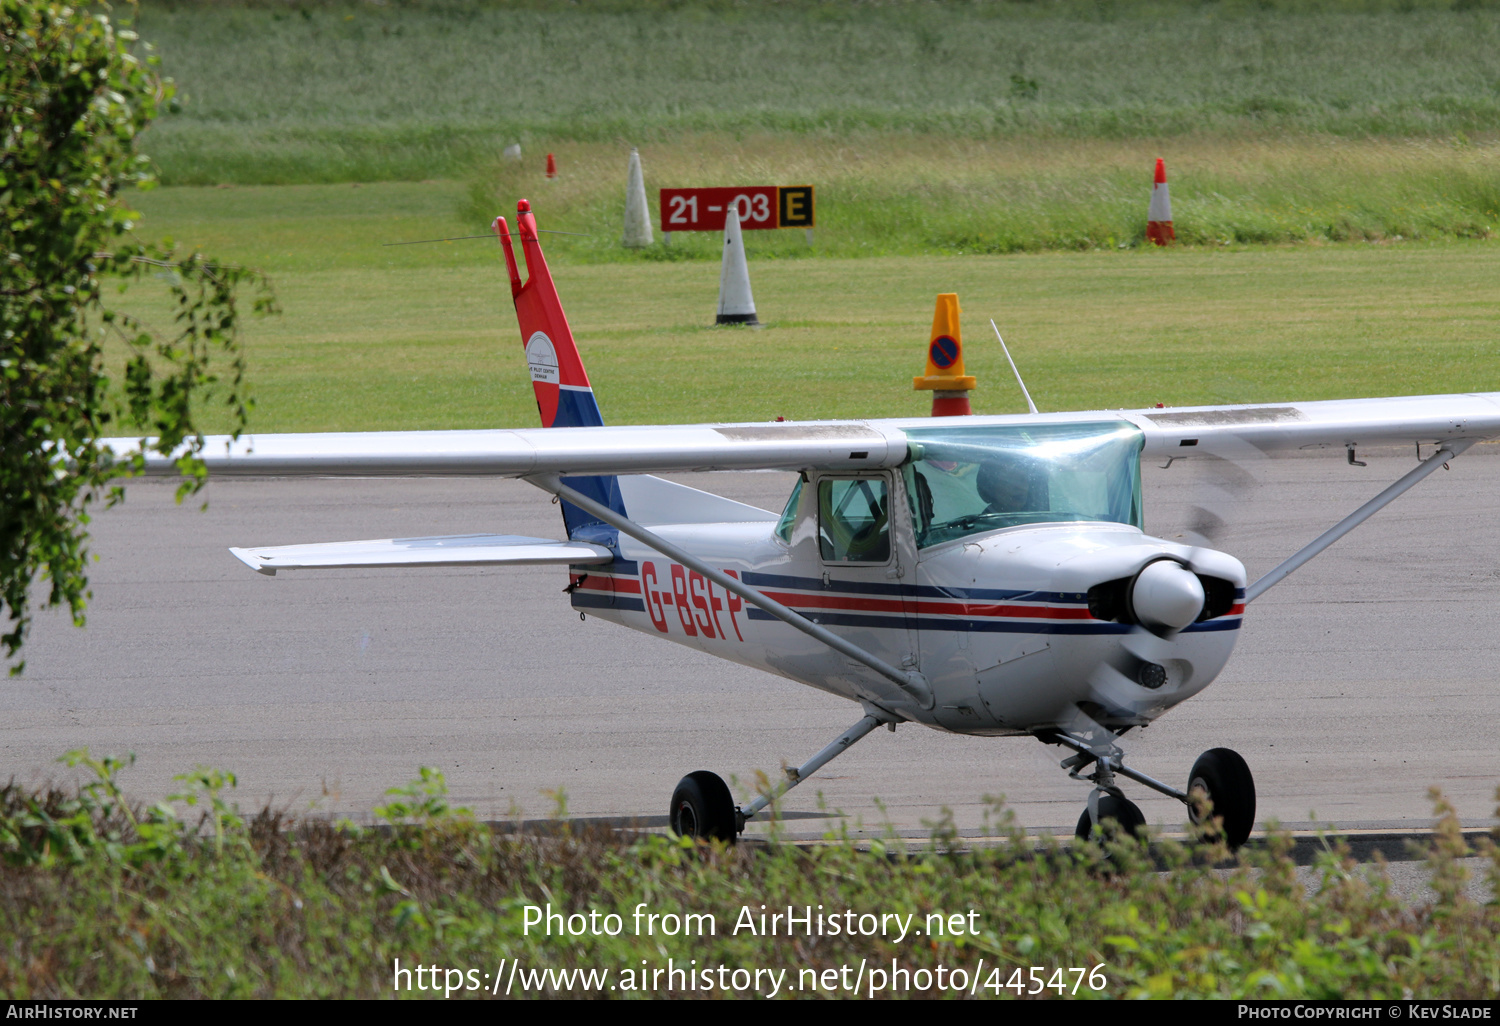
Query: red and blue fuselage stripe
(893, 606)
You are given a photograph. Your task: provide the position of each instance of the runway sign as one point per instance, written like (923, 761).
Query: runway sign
(759, 206)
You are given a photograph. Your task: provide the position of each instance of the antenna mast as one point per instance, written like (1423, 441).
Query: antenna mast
(1013, 369)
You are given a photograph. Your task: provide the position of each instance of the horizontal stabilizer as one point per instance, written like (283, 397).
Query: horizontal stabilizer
(448, 550)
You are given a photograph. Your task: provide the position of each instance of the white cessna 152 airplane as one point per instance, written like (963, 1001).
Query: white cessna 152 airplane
(980, 575)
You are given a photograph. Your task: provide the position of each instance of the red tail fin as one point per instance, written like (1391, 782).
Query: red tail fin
(564, 397)
(563, 394)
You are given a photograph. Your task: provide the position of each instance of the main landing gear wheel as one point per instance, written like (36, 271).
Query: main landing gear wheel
(703, 808)
(1128, 819)
(1224, 778)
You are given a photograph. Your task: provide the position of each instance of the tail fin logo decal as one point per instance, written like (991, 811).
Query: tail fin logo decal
(541, 359)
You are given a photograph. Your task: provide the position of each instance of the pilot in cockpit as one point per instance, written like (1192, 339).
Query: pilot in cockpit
(1005, 484)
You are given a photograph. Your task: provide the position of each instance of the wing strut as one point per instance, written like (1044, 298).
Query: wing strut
(913, 684)
(1453, 448)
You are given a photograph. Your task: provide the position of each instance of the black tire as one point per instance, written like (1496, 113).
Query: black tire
(1223, 776)
(702, 807)
(1127, 817)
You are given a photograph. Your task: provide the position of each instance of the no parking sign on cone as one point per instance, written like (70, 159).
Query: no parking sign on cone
(1159, 216)
(945, 376)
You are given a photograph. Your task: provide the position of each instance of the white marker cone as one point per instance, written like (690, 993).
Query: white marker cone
(736, 304)
(637, 216)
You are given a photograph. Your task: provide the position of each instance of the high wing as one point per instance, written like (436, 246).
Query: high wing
(856, 445)
(1338, 423)
(844, 445)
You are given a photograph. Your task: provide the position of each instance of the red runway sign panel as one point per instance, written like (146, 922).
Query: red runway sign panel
(759, 206)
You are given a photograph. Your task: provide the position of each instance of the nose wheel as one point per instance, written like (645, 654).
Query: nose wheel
(1220, 786)
(1110, 808)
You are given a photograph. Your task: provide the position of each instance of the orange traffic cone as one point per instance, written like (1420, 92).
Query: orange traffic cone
(552, 167)
(945, 376)
(1159, 216)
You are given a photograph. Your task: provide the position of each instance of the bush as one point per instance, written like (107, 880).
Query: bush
(107, 900)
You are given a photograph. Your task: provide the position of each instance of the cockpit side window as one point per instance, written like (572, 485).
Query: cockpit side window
(854, 524)
(789, 515)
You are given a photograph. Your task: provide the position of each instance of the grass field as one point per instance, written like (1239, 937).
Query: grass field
(946, 141)
(928, 129)
(320, 91)
(425, 337)
(911, 195)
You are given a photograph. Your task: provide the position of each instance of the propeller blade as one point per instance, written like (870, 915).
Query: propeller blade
(1122, 699)
(1146, 646)
(1215, 484)
(1203, 526)
(1089, 730)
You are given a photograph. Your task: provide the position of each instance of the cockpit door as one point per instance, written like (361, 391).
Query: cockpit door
(867, 555)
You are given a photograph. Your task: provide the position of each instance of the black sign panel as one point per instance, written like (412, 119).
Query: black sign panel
(796, 206)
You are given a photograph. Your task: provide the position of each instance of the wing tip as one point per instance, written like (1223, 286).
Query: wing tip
(252, 561)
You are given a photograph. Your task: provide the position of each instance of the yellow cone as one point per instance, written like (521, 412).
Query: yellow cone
(945, 353)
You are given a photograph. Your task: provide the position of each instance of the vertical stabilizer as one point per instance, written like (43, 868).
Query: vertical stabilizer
(564, 397)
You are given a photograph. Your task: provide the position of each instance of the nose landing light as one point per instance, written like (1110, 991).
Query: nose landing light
(1151, 675)
(1166, 595)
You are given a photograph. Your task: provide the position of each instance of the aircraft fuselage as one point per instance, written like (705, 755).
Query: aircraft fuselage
(999, 622)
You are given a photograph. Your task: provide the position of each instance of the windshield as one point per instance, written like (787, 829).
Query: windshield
(963, 481)
(789, 515)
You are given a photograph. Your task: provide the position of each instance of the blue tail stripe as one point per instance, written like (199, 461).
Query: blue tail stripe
(578, 408)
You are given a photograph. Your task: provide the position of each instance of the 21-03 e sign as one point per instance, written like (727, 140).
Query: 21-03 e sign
(760, 206)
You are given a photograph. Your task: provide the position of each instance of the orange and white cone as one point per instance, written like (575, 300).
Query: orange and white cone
(1159, 216)
(552, 166)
